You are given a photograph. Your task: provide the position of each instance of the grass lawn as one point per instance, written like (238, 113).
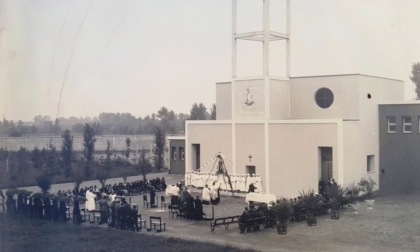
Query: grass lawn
(23, 234)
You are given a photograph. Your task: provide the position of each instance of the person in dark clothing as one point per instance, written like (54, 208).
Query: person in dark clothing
(38, 211)
(77, 217)
(19, 209)
(48, 209)
(30, 208)
(152, 197)
(55, 213)
(62, 209)
(189, 207)
(198, 209)
(251, 188)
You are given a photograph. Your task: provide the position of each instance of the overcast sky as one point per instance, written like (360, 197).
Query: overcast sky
(136, 56)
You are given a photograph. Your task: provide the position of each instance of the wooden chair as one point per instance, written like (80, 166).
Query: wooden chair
(155, 222)
(163, 203)
(146, 203)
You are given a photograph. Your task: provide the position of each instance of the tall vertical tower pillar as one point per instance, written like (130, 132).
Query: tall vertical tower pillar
(264, 97)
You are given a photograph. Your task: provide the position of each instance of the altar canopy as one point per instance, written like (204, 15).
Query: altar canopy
(261, 198)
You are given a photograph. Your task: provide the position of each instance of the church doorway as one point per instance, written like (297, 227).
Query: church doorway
(325, 163)
(195, 157)
(250, 169)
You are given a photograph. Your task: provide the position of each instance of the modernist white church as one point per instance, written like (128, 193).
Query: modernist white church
(292, 131)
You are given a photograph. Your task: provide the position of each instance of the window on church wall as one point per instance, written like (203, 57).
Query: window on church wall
(370, 163)
(392, 124)
(406, 124)
(324, 97)
(181, 153)
(173, 154)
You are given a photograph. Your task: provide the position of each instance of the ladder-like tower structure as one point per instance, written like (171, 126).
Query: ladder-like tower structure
(271, 93)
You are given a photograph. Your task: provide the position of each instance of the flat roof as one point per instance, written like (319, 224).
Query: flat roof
(332, 75)
(320, 76)
(176, 137)
(413, 102)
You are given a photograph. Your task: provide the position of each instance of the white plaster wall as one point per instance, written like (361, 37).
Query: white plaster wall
(213, 138)
(381, 90)
(294, 160)
(223, 101)
(279, 99)
(355, 151)
(344, 88)
(250, 140)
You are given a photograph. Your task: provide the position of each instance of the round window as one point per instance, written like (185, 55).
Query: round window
(324, 97)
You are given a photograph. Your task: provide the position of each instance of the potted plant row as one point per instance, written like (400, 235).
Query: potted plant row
(283, 211)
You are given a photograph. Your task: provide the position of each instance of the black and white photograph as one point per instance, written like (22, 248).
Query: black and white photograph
(209, 125)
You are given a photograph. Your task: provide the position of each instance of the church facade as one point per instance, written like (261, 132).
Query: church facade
(318, 128)
(292, 132)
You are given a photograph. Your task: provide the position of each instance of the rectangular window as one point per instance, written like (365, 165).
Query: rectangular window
(418, 123)
(250, 170)
(406, 124)
(392, 124)
(370, 163)
(181, 153)
(174, 155)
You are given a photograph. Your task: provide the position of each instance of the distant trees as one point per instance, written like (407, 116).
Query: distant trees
(167, 120)
(127, 159)
(213, 112)
(415, 78)
(143, 166)
(88, 148)
(105, 166)
(18, 164)
(110, 123)
(67, 152)
(198, 112)
(159, 147)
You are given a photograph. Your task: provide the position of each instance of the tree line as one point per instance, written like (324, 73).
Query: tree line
(47, 165)
(109, 123)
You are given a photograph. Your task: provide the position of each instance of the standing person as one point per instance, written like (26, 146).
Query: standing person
(198, 209)
(206, 195)
(55, 212)
(47, 208)
(2, 200)
(103, 207)
(90, 201)
(152, 197)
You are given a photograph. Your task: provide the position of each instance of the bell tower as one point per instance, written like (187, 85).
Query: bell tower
(262, 97)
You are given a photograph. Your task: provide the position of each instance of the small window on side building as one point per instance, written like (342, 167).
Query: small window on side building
(392, 124)
(181, 153)
(406, 124)
(174, 155)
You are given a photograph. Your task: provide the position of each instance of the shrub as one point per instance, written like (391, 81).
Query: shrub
(283, 210)
(367, 186)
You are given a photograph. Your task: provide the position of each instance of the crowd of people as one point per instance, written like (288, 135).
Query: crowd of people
(131, 188)
(182, 199)
(108, 200)
(41, 206)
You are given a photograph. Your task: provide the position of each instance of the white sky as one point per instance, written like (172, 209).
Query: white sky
(136, 56)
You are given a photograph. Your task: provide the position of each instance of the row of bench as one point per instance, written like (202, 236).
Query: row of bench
(251, 224)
